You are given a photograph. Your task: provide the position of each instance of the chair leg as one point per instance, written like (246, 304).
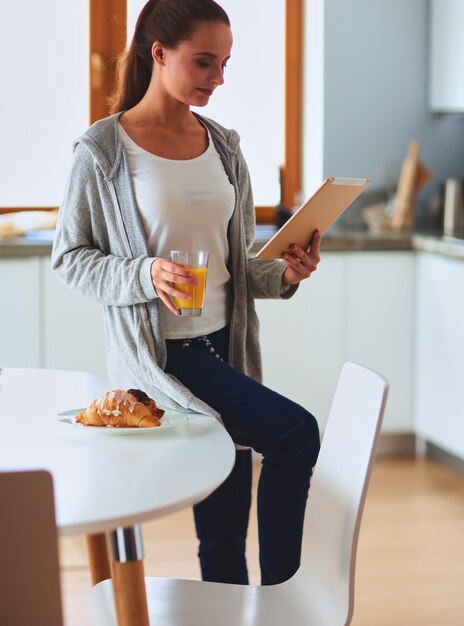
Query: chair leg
(98, 558)
(130, 596)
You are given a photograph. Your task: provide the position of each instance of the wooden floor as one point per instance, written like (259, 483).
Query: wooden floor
(410, 566)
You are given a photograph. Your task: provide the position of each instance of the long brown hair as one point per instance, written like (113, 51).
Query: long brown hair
(166, 21)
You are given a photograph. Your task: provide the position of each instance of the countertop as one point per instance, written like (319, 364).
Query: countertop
(40, 243)
(439, 244)
(346, 241)
(22, 247)
(34, 243)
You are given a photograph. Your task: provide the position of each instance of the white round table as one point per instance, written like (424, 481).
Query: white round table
(106, 482)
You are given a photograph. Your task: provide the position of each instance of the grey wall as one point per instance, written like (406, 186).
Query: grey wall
(375, 97)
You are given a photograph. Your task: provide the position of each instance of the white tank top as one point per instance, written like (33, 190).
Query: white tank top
(187, 205)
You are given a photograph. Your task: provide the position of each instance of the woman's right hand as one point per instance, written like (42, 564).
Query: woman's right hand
(163, 274)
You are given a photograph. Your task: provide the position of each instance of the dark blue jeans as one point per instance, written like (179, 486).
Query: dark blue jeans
(288, 438)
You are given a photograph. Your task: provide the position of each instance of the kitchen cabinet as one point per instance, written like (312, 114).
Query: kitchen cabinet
(303, 339)
(438, 393)
(357, 306)
(45, 324)
(20, 312)
(446, 43)
(380, 328)
(73, 329)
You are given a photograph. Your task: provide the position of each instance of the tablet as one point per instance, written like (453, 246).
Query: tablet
(318, 213)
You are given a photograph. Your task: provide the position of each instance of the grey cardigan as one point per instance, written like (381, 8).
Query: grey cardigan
(101, 251)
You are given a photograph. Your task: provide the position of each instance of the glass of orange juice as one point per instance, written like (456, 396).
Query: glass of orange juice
(197, 263)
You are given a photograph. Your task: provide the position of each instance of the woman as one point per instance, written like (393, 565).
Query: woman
(154, 177)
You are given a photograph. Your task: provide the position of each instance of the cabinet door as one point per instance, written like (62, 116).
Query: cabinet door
(446, 56)
(303, 338)
(73, 328)
(357, 306)
(380, 326)
(439, 395)
(19, 312)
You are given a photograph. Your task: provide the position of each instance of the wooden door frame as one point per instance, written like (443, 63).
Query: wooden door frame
(291, 170)
(108, 37)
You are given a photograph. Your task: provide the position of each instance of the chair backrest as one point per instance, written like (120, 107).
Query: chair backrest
(337, 493)
(29, 567)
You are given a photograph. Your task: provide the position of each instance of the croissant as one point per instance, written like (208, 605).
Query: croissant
(122, 409)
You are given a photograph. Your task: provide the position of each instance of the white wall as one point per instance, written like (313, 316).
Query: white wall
(375, 62)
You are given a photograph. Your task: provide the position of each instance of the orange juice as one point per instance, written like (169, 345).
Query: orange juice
(196, 291)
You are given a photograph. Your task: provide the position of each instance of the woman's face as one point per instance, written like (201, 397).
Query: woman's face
(192, 71)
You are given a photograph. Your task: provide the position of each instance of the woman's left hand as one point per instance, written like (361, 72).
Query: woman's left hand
(301, 263)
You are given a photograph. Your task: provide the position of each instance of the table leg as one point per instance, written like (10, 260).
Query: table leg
(128, 577)
(98, 558)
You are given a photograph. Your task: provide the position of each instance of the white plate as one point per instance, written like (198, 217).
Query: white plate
(170, 419)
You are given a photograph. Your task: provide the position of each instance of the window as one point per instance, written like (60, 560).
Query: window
(38, 142)
(44, 104)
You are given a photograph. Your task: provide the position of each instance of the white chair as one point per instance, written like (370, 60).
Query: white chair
(321, 593)
(29, 568)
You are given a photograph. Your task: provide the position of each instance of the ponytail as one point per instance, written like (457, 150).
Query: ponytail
(166, 21)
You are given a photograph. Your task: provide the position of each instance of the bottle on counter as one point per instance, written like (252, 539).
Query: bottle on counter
(453, 213)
